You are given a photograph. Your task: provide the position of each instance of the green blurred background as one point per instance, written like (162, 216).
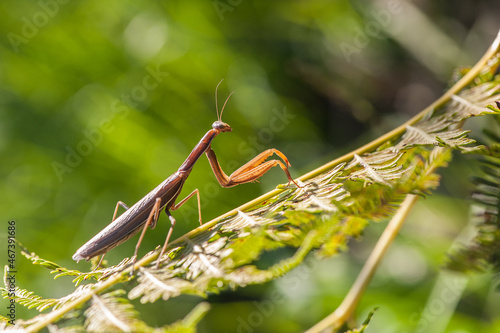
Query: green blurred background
(101, 101)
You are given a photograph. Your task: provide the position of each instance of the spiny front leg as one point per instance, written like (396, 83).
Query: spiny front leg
(251, 171)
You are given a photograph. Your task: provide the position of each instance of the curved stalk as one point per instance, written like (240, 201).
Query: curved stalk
(348, 305)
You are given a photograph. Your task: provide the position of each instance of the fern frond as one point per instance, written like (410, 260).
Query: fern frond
(331, 204)
(154, 284)
(56, 268)
(111, 313)
(378, 168)
(335, 204)
(17, 327)
(29, 300)
(25, 297)
(80, 277)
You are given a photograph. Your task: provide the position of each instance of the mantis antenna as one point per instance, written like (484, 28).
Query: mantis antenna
(219, 116)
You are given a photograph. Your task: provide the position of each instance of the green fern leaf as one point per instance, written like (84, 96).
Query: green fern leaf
(111, 313)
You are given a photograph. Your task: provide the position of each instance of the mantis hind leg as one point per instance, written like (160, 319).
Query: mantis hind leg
(119, 203)
(178, 205)
(172, 220)
(152, 218)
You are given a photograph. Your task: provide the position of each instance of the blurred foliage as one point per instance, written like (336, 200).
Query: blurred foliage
(68, 77)
(482, 254)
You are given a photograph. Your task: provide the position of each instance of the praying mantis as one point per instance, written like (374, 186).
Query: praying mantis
(145, 212)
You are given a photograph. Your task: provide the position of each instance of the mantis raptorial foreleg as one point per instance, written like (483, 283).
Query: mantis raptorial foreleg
(250, 171)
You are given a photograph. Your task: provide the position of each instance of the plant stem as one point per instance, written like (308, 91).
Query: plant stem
(457, 87)
(348, 305)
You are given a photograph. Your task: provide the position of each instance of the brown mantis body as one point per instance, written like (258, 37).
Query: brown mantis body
(146, 211)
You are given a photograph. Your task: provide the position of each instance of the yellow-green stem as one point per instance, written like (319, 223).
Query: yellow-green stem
(348, 305)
